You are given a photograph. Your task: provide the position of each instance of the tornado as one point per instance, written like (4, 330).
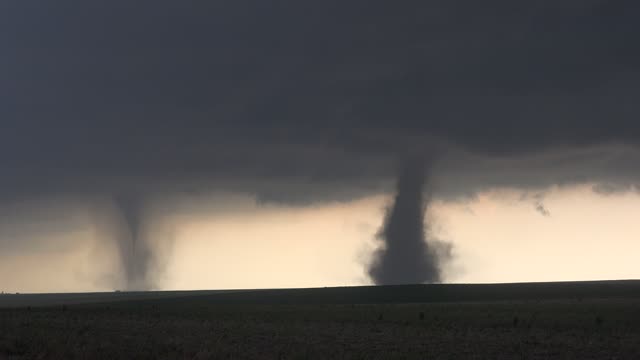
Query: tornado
(133, 248)
(407, 255)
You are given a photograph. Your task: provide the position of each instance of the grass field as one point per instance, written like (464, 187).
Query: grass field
(594, 320)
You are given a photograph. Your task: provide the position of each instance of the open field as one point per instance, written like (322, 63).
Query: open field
(595, 320)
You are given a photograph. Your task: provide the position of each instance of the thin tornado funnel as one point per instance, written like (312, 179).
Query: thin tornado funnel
(135, 253)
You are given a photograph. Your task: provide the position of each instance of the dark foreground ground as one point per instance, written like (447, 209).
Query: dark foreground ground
(531, 321)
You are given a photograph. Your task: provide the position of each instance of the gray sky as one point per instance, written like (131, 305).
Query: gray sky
(300, 105)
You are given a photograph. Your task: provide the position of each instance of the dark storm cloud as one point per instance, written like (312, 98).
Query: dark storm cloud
(163, 88)
(306, 101)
